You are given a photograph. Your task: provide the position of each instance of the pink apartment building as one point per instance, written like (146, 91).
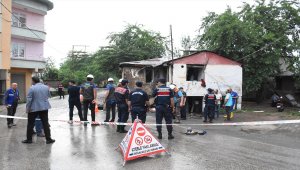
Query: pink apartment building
(27, 41)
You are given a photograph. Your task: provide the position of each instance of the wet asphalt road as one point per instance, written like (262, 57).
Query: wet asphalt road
(79, 147)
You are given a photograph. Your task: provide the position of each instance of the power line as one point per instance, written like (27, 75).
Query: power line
(26, 27)
(259, 49)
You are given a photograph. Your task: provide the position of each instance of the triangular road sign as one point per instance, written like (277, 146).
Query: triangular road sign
(139, 142)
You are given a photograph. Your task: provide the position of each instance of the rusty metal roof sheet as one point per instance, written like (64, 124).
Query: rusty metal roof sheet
(154, 62)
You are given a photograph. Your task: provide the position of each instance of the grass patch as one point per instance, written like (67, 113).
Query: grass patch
(294, 113)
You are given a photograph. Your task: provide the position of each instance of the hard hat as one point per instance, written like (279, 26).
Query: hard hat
(172, 86)
(90, 76)
(120, 80)
(110, 79)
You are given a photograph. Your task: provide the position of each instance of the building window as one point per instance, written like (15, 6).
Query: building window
(18, 50)
(149, 75)
(194, 72)
(18, 20)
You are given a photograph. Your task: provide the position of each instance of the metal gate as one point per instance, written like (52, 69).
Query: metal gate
(19, 78)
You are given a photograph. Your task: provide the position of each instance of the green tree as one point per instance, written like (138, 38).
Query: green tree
(50, 72)
(257, 36)
(133, 43)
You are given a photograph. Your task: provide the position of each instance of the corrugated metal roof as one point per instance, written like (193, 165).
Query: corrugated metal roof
(154, 62)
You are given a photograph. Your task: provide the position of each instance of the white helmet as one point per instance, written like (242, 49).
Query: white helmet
(172, 86)
(110, 79)
(120, 80)
(90, 76)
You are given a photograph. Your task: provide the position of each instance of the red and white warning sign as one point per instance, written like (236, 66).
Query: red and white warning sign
(139, 142)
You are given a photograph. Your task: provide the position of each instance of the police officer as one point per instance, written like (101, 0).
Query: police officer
(138, 102)
(121, 96)
(164, 107)
(210, 103)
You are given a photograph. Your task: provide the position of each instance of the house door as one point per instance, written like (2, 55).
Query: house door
(19, 78)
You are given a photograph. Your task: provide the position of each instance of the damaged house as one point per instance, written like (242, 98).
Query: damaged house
(189, 72)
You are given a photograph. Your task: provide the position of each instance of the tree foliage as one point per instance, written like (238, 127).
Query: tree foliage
(257, 36)
(133, 43)
(50, 72)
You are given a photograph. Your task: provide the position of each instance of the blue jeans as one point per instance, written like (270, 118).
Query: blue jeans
(38, 125)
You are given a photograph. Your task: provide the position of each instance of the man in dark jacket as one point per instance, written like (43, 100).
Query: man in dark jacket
(210, 104)
(89, 93)
(121, 95)
(11, 99)
(110, 101)
(74, 100)
(138, 102)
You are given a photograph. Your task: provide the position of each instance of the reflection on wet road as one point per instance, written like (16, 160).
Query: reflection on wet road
(80, 147)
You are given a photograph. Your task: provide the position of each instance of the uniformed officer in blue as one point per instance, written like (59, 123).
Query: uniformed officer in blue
(138, 102)
(164, 107)
(210, 103)
(121, 96)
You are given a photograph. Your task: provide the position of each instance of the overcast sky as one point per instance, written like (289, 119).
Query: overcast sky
(89, 22)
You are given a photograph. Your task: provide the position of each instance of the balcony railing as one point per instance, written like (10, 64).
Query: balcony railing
(34, 35)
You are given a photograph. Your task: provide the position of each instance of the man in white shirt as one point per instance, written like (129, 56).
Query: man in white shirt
(218, 105)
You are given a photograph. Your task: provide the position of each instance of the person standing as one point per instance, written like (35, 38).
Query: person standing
(89, 93)
(122, 94)
(74, 100)
(210, 104)
(235, 97)
(228, 104)
(38, 105)
(138, 103)
(183, 108)
(178, 102)
(218, 105)
(60, 89)
(164, 107)
(11, 99)
(110, 101)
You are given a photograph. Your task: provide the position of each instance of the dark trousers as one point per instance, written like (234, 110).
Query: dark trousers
(110, 105)
(61, 93)
(209, 112)
(139, 112)
(43, 115)
(123, 113)
(11, 111)
(164, 112)
(86, 105)
(228, 110)
(77, 104)
(183, 112)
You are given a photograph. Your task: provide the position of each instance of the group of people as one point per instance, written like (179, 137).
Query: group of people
(169, 104)
(213, 100)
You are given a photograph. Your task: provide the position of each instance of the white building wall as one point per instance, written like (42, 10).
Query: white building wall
(192, 88)
(223, 77)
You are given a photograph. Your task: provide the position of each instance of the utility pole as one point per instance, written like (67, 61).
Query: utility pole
(172, 53)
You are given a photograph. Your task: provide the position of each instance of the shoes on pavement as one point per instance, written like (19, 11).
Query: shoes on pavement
(205, 121)
(177, 122)
(9, 125)
(112, 120)
(95, 123)
(85, 123)
(159, 135)
(170, 136)
(27, 141)
(70, 121)
(50, 141)
(122, 130)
